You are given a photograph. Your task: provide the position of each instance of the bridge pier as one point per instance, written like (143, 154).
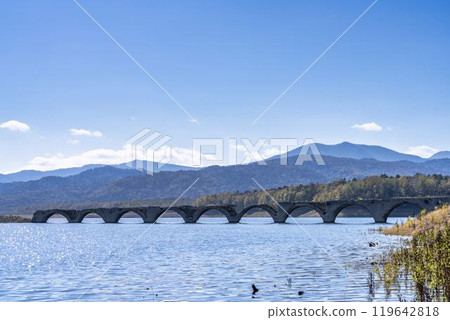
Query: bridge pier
(382, 210)
(111, 215)
(232, 215)
(282, 212)
(152, 214)
(188, 215)
(331, 212)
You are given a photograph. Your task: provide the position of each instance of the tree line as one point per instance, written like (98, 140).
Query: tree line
(375, 187)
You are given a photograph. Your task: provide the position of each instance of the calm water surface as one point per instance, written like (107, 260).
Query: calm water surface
(208, 261)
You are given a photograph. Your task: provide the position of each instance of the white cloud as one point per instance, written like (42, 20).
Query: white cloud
(84, 132)
(180, 156)
(370, 126)
(14, 125)
(247, 156)
(73, 142)
(97, 156)
(271, 152)
(422, 151)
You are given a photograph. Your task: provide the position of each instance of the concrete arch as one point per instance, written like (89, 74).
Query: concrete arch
(82, 214)
(228, 211)
(304, 205)
(398, 204)
(177, 210)
(352, 204)
(186, 212)
(138, 211)
(83, 218)
(262, 207)
(42, 216)
(58, 213)
(334, 208)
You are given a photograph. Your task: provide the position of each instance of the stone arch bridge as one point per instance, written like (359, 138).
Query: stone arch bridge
(378, 209)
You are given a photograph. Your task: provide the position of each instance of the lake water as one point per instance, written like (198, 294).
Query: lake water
(207, 261)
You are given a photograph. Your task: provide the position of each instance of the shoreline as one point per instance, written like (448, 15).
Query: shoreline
(14, 219)
(423, 258)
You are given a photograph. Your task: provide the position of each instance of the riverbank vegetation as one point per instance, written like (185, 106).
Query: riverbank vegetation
(424, 259)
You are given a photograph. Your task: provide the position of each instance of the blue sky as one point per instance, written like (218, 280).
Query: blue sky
(225, 62)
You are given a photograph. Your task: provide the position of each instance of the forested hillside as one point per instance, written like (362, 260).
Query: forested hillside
(375, 187)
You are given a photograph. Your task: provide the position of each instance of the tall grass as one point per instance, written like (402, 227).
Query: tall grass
(424, 258)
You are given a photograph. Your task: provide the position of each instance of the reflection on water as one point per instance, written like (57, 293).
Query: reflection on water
(207, 261)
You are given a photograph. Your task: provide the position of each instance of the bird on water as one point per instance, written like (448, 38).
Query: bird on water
(255, 289)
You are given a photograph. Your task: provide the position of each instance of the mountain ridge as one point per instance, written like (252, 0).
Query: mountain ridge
(441, 155)
(32, 175)
(359, 151)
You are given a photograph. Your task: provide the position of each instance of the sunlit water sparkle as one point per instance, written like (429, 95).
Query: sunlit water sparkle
(207, 261)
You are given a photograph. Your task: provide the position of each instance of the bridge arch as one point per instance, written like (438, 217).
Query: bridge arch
(297, 206)
(57, 213)
(258, 207)
(181, 211)
(43, 216)
(90, 215)
(299, 209)
(135, 214)
(354, 204)
(228, 212)
(401, 203)
(82, 214)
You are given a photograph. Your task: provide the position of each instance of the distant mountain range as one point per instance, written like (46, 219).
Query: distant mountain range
(361, 151)
(29, 175)
(110, 183)
(441, 155)
(342, 150)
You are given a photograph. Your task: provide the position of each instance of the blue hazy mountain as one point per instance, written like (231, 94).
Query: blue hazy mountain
(29, 175)
(341, 150)
(360, 151)
(155, 166)
(441, 155)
